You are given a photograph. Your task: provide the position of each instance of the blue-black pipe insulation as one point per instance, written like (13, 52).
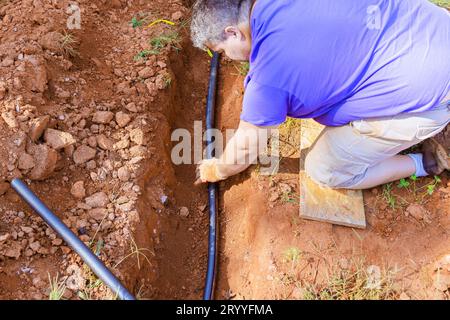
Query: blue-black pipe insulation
(97, 266)
(212, 187)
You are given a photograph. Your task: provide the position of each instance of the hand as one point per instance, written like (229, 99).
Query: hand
(208, 171)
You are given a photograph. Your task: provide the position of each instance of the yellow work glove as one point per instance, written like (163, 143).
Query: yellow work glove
(208, 171)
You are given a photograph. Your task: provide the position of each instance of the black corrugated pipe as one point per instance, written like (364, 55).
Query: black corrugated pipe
(212, 187)
(97, 266)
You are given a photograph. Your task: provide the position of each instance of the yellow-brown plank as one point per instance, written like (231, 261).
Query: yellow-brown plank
(340, 207)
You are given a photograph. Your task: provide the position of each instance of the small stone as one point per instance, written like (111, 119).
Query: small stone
(58, 139)
(122, 144)
(65, 250)
(35, 246)
(10, 119)
(37, 127)
(123, 174)
(43, 250)
(45, 159)
(27, 230)
(122, 119)
(13, 250)
(184, 212)
(69, 150)
(52, 41)
(131, 107)
(98, 213)
(97, 200)
(137, 136)
(177, 16)
(138, 151)
(26, 162)
(83, 154)
(104, 142)
(92, 142)
(4, 237)
(57, 242)
(91, 165)
(418, 212)
(274, 197)
(103, 117)
(78, 190)
(146, 73)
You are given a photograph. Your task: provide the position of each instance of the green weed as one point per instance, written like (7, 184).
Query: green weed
(57, 288)
(136, 22)
(388, 195)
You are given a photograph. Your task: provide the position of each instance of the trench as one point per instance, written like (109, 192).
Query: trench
(180, 243)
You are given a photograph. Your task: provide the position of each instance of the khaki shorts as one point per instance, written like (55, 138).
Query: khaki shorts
(341, 156)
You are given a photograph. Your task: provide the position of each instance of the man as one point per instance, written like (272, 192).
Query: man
(375, 72)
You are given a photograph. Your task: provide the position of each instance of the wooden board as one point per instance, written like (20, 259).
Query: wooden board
(341, 207)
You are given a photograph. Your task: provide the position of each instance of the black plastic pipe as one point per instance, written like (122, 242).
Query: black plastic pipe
(212, 187)
(97, 266)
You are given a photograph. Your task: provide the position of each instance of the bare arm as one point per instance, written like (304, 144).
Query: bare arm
(241, 151)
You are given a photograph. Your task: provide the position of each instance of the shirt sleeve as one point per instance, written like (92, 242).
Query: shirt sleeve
(264, 105)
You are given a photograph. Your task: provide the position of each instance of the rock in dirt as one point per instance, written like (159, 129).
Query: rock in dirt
(137, 136)
(104, 142)
(138, 151)
(57, 242)
(26, 162)
(418, 212)
(10, 119)
(97, 200)
(122, 119)
(58, 139)
(4, 237)
(177, 16)
(103, 117)
(83, 154)
(131, 107)
(441, 275)
(184, 212)
(52, 41)
(78, 190)
(13, 250)
(146, 73)
(75, 281)
(274, 197)
(37, 127)
(98, 213)
(123, 174)
(35, 246)
(45, 159)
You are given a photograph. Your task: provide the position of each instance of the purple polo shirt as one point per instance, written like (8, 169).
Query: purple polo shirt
(340, 61)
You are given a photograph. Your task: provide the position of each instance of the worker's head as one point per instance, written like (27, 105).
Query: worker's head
(223, 25)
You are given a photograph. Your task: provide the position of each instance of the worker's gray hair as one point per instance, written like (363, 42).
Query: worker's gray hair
(211, 17)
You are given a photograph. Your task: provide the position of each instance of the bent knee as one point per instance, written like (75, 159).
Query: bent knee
(327, 176)
(318, 172)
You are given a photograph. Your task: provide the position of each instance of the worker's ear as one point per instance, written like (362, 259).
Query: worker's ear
(234, 32)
